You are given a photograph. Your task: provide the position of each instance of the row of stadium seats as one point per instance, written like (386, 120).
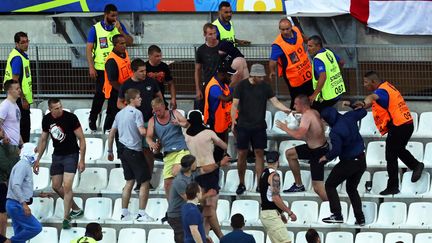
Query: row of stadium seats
(367, 125)
(393, 215)
(138, 235)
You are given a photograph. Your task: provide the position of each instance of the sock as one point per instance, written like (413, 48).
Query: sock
(125, 212)
(141, 212)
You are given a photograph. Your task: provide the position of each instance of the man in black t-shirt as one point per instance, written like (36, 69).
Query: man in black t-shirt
(250, 101)
(148, 89)
(64, 129)
(159, 71)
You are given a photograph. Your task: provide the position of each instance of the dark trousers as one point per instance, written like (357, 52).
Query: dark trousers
(397, 139)
(176, 225)
(306, 89)
(112, 110)
(24, 122)
(351, 171)
(319, 106)
(98, 99)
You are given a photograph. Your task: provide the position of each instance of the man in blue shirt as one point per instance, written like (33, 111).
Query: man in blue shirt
(192, 219)
(237, 235)
(97, 49)
(348, 144)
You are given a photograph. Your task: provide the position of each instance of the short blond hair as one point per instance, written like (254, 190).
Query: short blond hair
(131, 94)
(157, 101)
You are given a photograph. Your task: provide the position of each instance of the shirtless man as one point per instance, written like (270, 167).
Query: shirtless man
(311, 129)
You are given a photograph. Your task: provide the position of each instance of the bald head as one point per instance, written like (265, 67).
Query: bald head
(285, 28)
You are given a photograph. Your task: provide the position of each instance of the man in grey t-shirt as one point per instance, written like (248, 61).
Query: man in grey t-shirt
(130, 125)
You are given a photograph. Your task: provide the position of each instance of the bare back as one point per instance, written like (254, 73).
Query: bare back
(311, 121)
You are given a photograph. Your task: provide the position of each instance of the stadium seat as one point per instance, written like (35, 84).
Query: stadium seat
(379, 182)
(156, 208)
(109, 235)
(117, 211)
(414, 189)
(161, 235)
(66, 236)
(36, 116)
(370, 211)
(369, 237)
(306, 212)
(427, 158)
(223, 211)
(361, 188)
(291, 235)
(423, 237)
(42, 208)
(116, 181)
(92, 180)
(104, 158)
(41, 181)
(250, 210)
(257, 234)
(418, 215)
(306, 179)
(424, 129)
(46, 157)
(301, 237)
(97, 209)
(281, 116)
(368, 127)
(269, 120)
(94, 150)
(182, 112)
(48, 234)
(284, 146)
(58, 210)
(391, 215)
(398, 236)
(375, 154)
(340, 236)
(324, 212)
(132, 235)
(416, 149)
(232, 181)
(221, 178)
(65, 109)
(83, 117)
(214, 237)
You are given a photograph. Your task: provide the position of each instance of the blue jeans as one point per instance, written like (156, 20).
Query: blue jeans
(25, 227)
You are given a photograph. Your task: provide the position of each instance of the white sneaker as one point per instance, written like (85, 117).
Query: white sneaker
(125, 217)
(144, 218)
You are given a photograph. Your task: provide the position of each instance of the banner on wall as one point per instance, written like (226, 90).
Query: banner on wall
(137, 5)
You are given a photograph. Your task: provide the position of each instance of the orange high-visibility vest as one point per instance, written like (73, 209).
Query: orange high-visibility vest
(124, 72)
(397, 112)
(298, 69)
(222, 116)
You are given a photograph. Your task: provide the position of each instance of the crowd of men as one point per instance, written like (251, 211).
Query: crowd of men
(143, 122)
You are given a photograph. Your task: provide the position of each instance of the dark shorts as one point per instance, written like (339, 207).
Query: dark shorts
(3, 193)
(313, 155)
(135, 166)
(256, 137)
(64, 164)
(209, 181)
(177, 226)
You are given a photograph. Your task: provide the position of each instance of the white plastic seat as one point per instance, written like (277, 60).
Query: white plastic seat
(375, 154)
(257, 234)
(281, 116)
(269, 120)
(48, 234)
(289, 180)
(132, 235)
(57, 217)
(391, 215)
(301, 237)
(399, 236)
(361, 186)
(368, 127)
(370, 211)
(379, 182)
(117, 211)
(64, 109)
(223, 211)
(104, 158)
(416, 149)
(94, 149)
(182, 112)
(369, 237)
(418, 215)
(290, 234)
(116, 181)
(427, 157)
(324, 212)
(93, 180)
(97, 209)
(83, 117)
(424, 129)
(36, 116)
(340, 236)
(306, 212)
(42, 180)
(42, 208)
(160, 235)
(423, 237)
(156, 208)
(417, 188)
(284, 146)
(232, 181)
(249, 209)
(214, 237)
(66, 236)
(221, 178)
(109, 235)
(47, 156)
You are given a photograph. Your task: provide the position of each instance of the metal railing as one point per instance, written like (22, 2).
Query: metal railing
(61, 70)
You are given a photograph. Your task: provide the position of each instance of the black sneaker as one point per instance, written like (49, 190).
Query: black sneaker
(360, 222)
(333, 219)
(417, 172)
(92, 125)
(295, 188)
(389, 191)
(257, 189)
(240, 189)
